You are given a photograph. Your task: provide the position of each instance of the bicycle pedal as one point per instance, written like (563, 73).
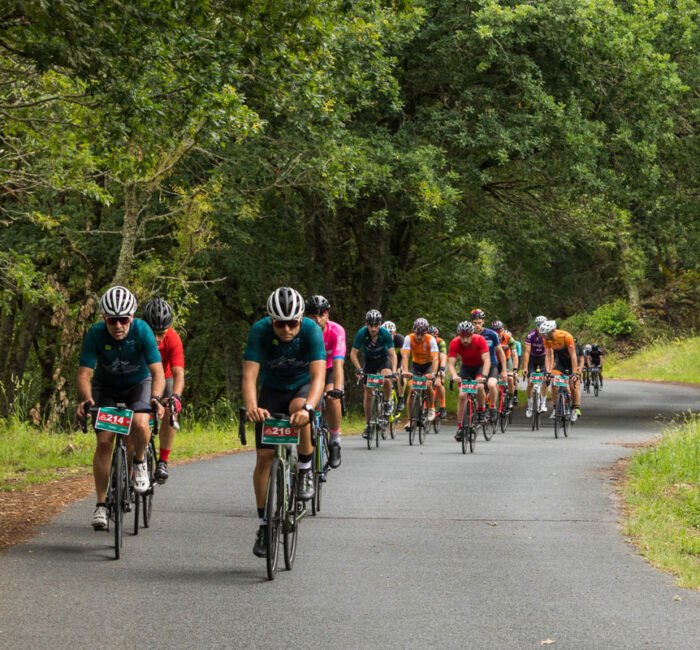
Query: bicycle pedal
(321, 478)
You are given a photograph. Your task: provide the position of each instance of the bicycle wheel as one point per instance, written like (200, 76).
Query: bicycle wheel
(566, 418)
(436, 424)
(316, 465)
(118, 492)
(148, 497)
(489, 428)
(290, 526)
(274, 508)
(505, 412)
(413, 421)
(393, 418)
(536, 409)
(558, 415)
(595, 387)
(137, 512)
(472, 439)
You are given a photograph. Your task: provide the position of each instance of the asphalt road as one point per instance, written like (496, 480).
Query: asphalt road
(416, 547)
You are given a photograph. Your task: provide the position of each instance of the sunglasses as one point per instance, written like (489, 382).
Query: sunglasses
(288, 324)
(160, 332)
(113, 320)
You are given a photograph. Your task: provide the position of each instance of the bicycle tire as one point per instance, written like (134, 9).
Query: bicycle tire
(394, 415)
(595, 389)
(413, 421)
(436, 424)
(392, 426)
(472, 439)
(566, 419)
(137, 511)
(148, 497)
(535, 409)
(489, 428)
(559, 408)
(291, 526)
(119, 466)
(274, 507)
(505, 413)
(421, 433)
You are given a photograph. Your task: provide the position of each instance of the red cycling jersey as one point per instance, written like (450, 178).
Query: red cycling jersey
(171, 353)
(470, 354)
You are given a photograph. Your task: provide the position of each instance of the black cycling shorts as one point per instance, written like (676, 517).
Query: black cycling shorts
(137, 397)
(536, 363)
(374, 366)
(421, 368)
(471, 372)
(276, 401)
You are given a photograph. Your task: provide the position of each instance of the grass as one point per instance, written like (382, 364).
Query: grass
(677, 360)
(663, 495)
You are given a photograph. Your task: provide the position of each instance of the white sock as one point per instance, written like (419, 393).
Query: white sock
(302, 466)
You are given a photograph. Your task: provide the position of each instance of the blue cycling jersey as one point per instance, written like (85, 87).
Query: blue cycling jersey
(492, 341)
(124, 363)
(285, 366)
(373, 349)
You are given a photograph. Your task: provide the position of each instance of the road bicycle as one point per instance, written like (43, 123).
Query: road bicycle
(504, 406)
(537, 380)
(586, 378)
(562, 413)
(595, 379)
(283, 512)
(320, 462)
(377, 422)
(120, 491)
(393, 419)
(143, 503)
(467, 432)
(418, 415)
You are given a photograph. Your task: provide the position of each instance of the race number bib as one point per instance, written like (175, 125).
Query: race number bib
(468, 387)
(536, 377)
(279, 432)
(561, 381)
(373, 381)
(115, 420)
(419, 383)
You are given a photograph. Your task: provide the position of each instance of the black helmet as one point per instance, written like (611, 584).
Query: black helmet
(373, 317)
(317, 305)
(595, 347)
(158, 315)
(432, 330)
(477, 313)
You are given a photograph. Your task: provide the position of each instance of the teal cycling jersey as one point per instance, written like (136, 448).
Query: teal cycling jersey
(285, 366)
(373, 349)
(124, 363)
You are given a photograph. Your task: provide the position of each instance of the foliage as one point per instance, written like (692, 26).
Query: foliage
(615, 319)
(664, 496)
(674, 360)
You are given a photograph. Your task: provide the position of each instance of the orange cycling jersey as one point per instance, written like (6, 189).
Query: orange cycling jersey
(423, 351)
(507, 343)
(560, 343)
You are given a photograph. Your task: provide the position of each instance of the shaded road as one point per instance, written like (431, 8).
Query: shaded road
(416, 547)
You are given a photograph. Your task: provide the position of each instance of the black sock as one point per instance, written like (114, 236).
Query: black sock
(261, 513)
(305, 458)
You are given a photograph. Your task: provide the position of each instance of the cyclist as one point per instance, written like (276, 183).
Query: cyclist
(379, 358)
(498, 358)
(121, 353)
(595, 359)
(159, 316)
(425, 359)
(519, 350)
(533, 361)
(290, 351)
(561, 360)
(317, 308)
(511, 353)
(473, 352)
(398, 344)
(442, 364)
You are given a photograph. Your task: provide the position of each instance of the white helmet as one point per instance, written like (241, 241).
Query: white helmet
(587, 347)
(389, 325)
(118, 301)
(285, 303)
(539, 320)
(548, 326)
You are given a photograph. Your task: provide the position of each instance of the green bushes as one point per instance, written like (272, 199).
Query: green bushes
(614, 319)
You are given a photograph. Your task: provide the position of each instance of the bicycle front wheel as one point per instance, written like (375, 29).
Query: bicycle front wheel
(558, 414)
(274, 510)
(148, 497)
(119, 490)
(290, 525)
(413, 421)
(489, 428)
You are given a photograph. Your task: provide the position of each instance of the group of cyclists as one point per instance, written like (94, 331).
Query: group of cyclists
(298, 354)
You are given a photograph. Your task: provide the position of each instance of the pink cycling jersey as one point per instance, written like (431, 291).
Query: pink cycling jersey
(334, 340)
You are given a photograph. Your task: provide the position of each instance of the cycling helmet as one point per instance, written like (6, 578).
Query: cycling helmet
(389, 325)
(285, 303)
(587, 347)
(118, 301)
(548, 326)
(465, 327)
(539, 320)
(496, 325)
(420, 326)
(432, 330)
(596, 347)
(477, 313)
(317, 305)
(373, 317)
(157, 314)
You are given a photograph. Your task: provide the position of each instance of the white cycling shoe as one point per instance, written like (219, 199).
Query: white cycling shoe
(431, 415)
(99, 518)
(141, 482)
